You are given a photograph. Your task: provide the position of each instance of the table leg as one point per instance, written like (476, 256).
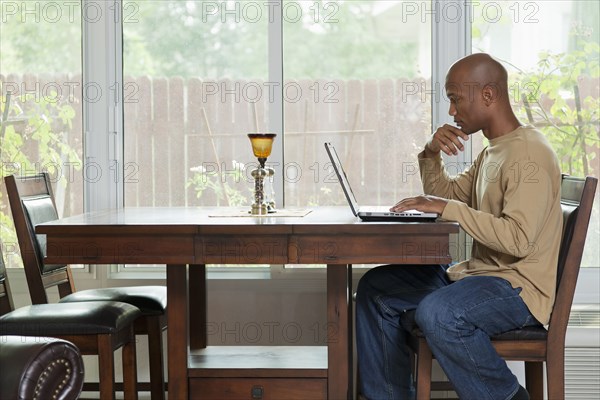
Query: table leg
(197, 293)
(339, 340)
(177, 334)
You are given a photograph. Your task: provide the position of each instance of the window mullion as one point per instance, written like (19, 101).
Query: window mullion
(451, 41)
(102, 116)
(102, 108)
(275, 62)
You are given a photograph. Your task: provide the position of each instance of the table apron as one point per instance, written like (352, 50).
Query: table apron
(369, 249)
(120, 249)
(248, 249)
(241, 249)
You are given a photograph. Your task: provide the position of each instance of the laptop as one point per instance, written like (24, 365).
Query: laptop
(372, 213)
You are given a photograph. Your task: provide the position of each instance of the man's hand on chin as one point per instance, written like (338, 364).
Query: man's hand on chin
(424, 203)
(447, 138)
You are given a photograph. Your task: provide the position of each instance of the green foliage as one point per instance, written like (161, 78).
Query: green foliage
(554, 95)
(181, 38)
(346, 40)
(40, 37)
(38, 124)
(554, 92)
(221, 185)
(326, 196)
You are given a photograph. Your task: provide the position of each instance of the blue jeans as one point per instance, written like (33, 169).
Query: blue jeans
(457, 319)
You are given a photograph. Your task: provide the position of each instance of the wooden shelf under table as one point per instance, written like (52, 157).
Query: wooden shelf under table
(258, 372)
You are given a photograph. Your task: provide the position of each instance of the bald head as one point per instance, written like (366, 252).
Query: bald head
(481, 67)
(480, 70)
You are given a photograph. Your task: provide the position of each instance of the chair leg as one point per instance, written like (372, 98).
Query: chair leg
(424, 361)
(155, 353)
(130, 369)
(357, 397)
(413, 364)
(534, 379)
(106, 363)
(555, 371)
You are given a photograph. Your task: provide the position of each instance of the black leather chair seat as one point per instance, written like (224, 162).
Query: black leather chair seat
(151, 300)
(87, 318)
(39, 368)
(407, 320)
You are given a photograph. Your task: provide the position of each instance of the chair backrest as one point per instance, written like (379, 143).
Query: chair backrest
(6, 304)
(577, 199)
(32, 203)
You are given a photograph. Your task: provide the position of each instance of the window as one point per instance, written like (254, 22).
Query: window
(356, 77)
(197, 79)
(195, 74)
(41, 104)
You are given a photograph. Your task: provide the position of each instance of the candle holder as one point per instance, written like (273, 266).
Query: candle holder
(262, 143)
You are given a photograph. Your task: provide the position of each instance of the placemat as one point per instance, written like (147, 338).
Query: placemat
(244, 212)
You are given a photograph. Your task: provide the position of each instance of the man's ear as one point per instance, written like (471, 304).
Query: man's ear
(490, 93)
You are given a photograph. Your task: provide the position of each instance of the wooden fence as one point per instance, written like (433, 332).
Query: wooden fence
(173, 125)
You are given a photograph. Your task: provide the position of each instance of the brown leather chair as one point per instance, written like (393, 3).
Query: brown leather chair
(36, 368)
(97, 328)
(32, 202)
(533, 345)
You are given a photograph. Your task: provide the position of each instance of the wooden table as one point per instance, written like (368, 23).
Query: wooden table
(186, 239)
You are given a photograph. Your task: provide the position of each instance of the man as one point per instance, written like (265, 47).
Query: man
(508, 201)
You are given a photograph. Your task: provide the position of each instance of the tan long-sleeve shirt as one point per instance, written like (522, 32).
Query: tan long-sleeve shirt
(508, 201)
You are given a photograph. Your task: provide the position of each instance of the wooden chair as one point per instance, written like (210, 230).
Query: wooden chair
(32, 202)
(533, 345)
(96, 328)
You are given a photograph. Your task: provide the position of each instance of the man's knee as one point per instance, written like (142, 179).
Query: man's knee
(365, 288)
(434, 313)
(370, 283)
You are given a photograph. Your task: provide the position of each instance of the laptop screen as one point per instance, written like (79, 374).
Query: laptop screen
(341, 174)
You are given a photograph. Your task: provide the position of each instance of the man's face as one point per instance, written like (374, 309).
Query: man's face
(466, 102)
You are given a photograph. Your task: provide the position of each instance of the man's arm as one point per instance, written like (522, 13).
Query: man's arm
(525, 208)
